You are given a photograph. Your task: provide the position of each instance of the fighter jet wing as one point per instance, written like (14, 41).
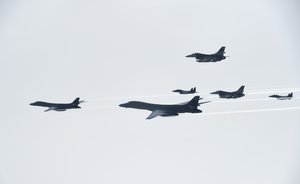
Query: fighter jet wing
(161, 113)
(205, 60)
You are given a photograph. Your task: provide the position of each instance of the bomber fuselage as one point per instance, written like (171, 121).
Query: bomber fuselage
(180, 108)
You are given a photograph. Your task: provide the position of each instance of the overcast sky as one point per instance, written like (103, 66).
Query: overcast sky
(111, 52)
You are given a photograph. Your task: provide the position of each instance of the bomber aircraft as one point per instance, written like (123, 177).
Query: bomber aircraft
(235, 94)
(203, 58)
(279, 97)
(191, 91)
(58, 106)
(166, 110)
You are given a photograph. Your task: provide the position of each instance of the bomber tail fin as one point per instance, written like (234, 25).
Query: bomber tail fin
(221, 51)
(194, 102)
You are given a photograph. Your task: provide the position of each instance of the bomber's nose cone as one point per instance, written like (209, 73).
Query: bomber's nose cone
(123, 105)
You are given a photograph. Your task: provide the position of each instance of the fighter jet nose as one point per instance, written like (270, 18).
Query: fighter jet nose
(191, 55)
(123, 105)
(214, 93)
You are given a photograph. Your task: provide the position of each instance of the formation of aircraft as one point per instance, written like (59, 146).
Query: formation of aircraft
(235, 94)
(279, 97)
(180, 91)
(58, 106)
(218, 56)
(166, 110)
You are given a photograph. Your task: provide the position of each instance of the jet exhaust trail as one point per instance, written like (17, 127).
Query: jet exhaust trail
(251, 111)
(268, 92)
(218, 101)
(250, 100)
(206, 95)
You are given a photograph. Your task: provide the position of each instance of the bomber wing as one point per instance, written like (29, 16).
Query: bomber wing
(156, 113)
(50, 109)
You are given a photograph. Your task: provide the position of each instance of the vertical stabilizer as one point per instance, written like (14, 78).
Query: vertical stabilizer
(194, 102)
(221, 51)
(241, 89)
(76, 101)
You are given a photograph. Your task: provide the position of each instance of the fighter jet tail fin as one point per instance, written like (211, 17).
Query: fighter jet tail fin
(290, 95)
(76, 101)
(221, 51)
(241, 89)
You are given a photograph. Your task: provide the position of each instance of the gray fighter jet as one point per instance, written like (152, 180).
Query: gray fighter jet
(166, 110)
(180, 91)
(288, 97)
(235, 94)
(58, 106)
(218, 56)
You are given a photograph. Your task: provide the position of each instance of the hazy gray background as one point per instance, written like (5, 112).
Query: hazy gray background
(108, 51)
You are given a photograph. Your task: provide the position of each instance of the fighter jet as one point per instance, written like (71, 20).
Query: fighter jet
(180, 91)
(288, 97)
(58, 106)
(166, 110)
(235, 94)
(218, 56)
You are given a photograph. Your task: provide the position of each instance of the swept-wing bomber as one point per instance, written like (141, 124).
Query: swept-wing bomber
(58, 106)
(166, 110)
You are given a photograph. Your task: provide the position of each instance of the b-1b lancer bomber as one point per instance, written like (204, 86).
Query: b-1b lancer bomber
(58, 106)
(191, 91)
(279, 97)
(204, 58)
(166, 110)
(235, 94)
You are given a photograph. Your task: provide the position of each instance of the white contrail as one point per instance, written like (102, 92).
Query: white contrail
(102, 107)
(216, 101)
(219, 101)
(202, 94)
(251, 100)
(133, 97)
(273, 91)
(251, 111)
